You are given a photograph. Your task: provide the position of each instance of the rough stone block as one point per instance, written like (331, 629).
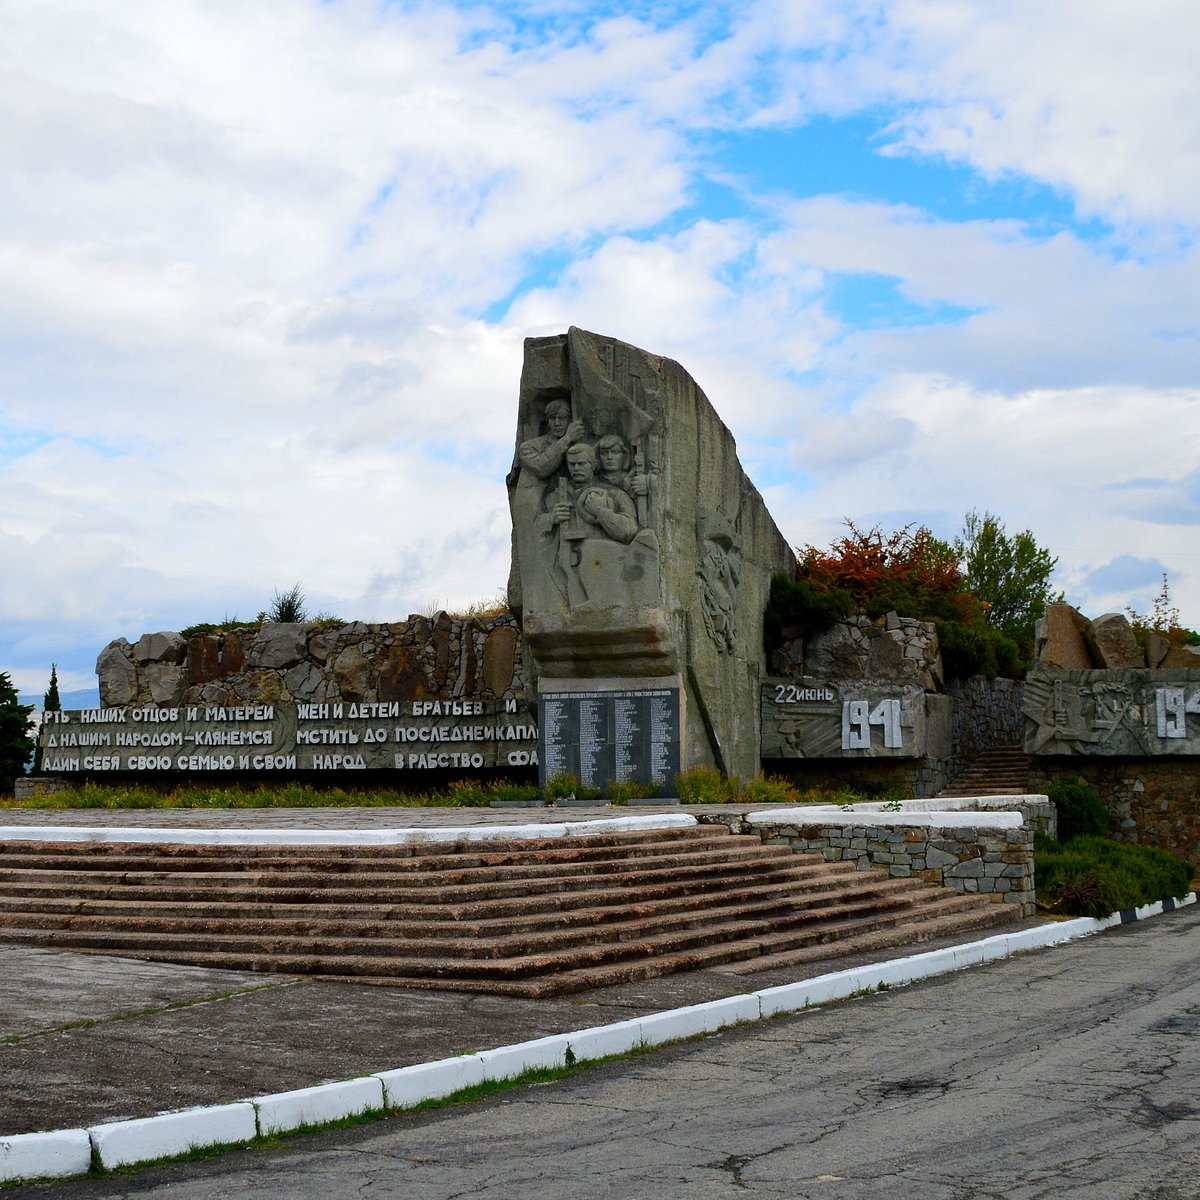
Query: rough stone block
(1181, 656)
(1111, 642)
(279, 644)
(160, 648)
(116, 674)
(165, 682)
(1060, 640)
(972, 868)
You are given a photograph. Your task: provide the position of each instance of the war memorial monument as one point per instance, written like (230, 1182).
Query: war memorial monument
(632, 649)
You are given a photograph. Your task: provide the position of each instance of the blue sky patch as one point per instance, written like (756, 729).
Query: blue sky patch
(872, 301)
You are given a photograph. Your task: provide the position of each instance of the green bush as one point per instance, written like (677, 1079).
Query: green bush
(1081, 813)
(795, 608)
(704, 785)
(567, 787)
(1095, 876)
(622, 791)
(769, 789)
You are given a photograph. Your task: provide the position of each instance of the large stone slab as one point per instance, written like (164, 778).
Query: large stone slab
(1060, 643)
(640, 547)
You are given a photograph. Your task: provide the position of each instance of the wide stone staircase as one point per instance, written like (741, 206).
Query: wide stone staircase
(527, 918)
(1002, 771)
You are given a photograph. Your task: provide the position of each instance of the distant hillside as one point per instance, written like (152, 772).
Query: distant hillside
(86, 698)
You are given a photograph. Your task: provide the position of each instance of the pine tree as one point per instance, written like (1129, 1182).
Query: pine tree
(16, 744)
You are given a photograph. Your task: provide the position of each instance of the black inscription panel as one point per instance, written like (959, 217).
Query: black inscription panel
(467, 734)
(610, 735)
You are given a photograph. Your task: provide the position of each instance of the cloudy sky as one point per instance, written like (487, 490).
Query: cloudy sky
(266, 267)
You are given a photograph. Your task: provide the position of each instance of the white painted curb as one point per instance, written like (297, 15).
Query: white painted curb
(406, 1087)
(45, 1155)
(318, 1105)
(602, 1040)
(696, 1019)
(338, 837)
(121, 1143)
(507, 1062)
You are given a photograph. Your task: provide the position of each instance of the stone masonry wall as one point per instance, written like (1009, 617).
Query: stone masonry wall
(987, 716)
(438, 657)
(895, 648)
(997, 863)
(1151, 801)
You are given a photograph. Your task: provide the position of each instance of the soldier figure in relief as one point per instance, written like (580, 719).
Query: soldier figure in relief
(543, 455)
(616, 463)
(593, 531)
(596, 508)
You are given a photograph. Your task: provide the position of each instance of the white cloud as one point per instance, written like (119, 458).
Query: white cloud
(252, 254)
(1093, 96)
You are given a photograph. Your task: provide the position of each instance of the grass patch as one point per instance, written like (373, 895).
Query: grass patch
(702, 785)
(460, 794)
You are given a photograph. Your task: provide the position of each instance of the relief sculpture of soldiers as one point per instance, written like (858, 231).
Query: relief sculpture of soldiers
(642, 553)
(587, 476)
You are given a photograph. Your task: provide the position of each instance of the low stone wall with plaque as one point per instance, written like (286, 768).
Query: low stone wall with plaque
(857, 732)
(1132, 734)
(1113, 714)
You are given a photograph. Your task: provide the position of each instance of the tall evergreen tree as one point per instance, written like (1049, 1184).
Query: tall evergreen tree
(16, 744)
(50, 701)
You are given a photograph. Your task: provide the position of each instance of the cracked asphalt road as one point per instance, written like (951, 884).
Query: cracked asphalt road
(1063, 1073)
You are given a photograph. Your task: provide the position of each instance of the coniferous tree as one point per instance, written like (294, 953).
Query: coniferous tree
(16, 744)
(50, 703)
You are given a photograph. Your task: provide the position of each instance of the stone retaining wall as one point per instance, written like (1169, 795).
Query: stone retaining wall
(439, 657)
(994, 862)
(1151, 801)
(987, 716)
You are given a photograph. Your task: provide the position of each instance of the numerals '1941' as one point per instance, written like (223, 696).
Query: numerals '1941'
(1172, 708)
(857, 718)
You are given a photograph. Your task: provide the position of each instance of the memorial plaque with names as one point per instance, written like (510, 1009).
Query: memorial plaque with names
(622, 735)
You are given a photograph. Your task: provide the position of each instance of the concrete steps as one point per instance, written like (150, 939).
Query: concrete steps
(531, 918)
(1002, 771)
